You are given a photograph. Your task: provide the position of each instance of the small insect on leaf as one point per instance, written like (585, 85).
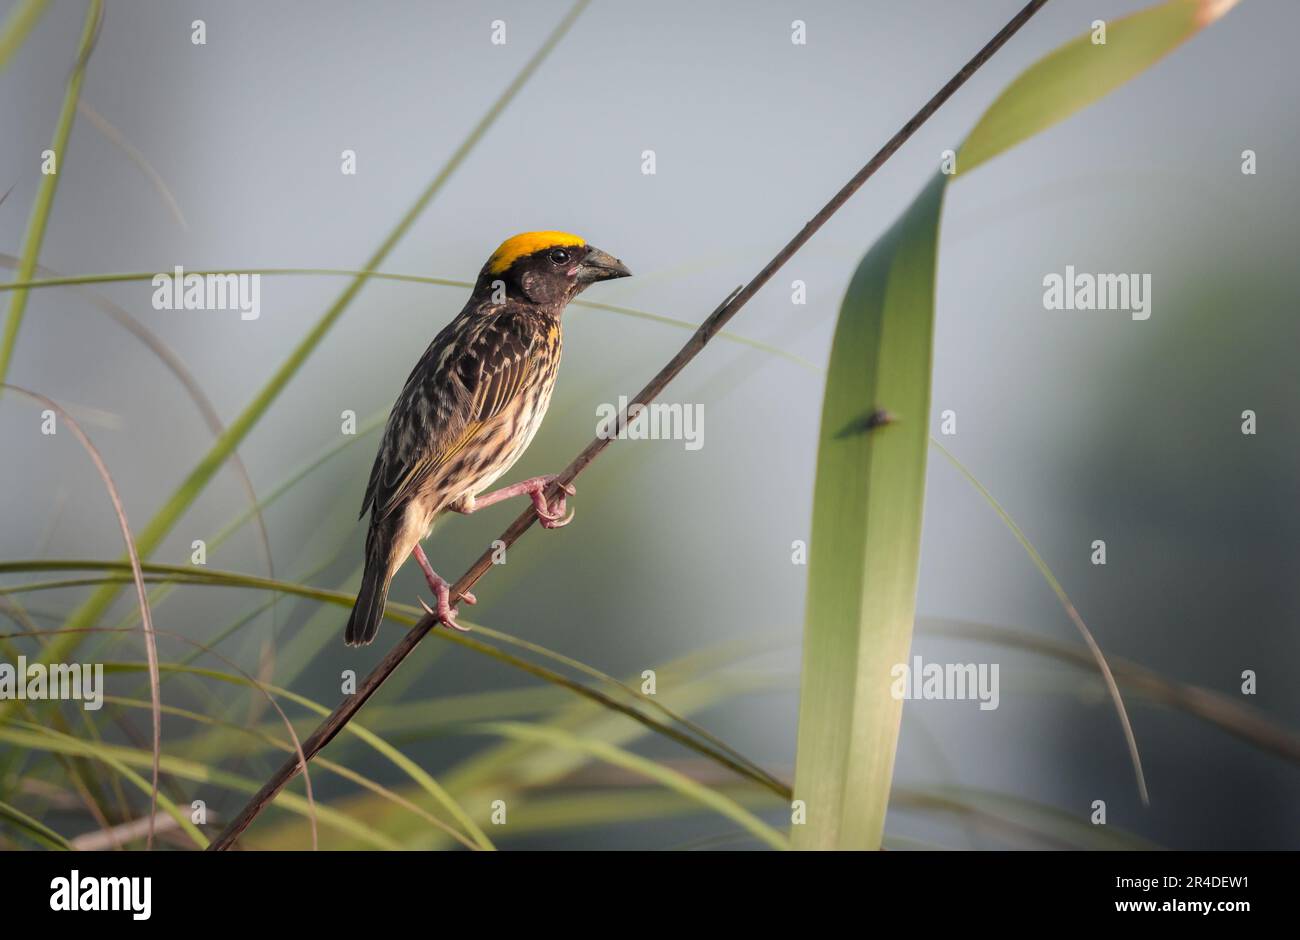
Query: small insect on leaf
(868, 422)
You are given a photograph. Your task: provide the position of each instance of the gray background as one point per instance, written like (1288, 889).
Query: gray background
(1085, 425)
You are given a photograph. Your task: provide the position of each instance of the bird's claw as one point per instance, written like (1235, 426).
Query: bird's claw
(445, 613)
(552, 515)
(556, 522)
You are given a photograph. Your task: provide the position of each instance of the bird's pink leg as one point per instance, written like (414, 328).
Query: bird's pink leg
(551, 515)
(445, 613)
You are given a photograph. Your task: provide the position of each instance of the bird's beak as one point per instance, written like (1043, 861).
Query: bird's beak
(599, 266)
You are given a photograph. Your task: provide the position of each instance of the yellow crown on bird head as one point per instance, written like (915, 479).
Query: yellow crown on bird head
(526, 243)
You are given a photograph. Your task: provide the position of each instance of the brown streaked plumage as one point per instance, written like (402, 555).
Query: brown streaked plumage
(470, 408)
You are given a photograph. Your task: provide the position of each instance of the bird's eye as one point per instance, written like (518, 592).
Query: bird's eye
(559, 256)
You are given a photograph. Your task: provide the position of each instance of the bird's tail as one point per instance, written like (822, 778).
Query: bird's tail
(368, 611)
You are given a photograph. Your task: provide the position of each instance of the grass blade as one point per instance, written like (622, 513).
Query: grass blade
(22, 18)
(1244, 722)
(40, 216)
(396, 757)
(408, 614)
(173, 362)
(1112, 687)
(36, 737)
(122, 759)
(381, 792)
(617, 756)
(115, 136)
(146, 621)
(82, 280)
(33, 828)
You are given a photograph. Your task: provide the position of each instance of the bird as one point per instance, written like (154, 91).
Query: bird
(469, 410)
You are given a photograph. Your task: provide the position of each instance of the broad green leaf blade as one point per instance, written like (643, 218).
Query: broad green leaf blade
(870, 476)
(1081, 72)
(866, 535)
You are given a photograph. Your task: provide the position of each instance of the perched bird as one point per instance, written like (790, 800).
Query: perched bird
(469, 410)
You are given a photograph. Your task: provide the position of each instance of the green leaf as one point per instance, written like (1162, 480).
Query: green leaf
(866, 535)
(41, 209)
(869, 490)
(1081, 72)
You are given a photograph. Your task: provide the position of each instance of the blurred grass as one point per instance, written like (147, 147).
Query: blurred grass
(514, 770)
(653, 770)
(21, 21)
(33, 828)
(693, 736)
(40, 738)
(1071, 611)
(382, 747)
(173, 362)
(318, 762)
(83, 280)
(94, 608)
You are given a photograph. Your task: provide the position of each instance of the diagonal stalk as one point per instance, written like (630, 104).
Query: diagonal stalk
(707, 330)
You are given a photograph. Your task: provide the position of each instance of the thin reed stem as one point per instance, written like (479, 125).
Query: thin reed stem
(706, 331)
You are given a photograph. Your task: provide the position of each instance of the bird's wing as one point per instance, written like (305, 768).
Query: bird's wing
(467, 376)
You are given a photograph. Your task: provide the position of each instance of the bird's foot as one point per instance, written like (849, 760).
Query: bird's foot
(551, 515)
(445, 613)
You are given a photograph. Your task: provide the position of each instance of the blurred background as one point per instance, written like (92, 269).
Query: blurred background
(1086, 425)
